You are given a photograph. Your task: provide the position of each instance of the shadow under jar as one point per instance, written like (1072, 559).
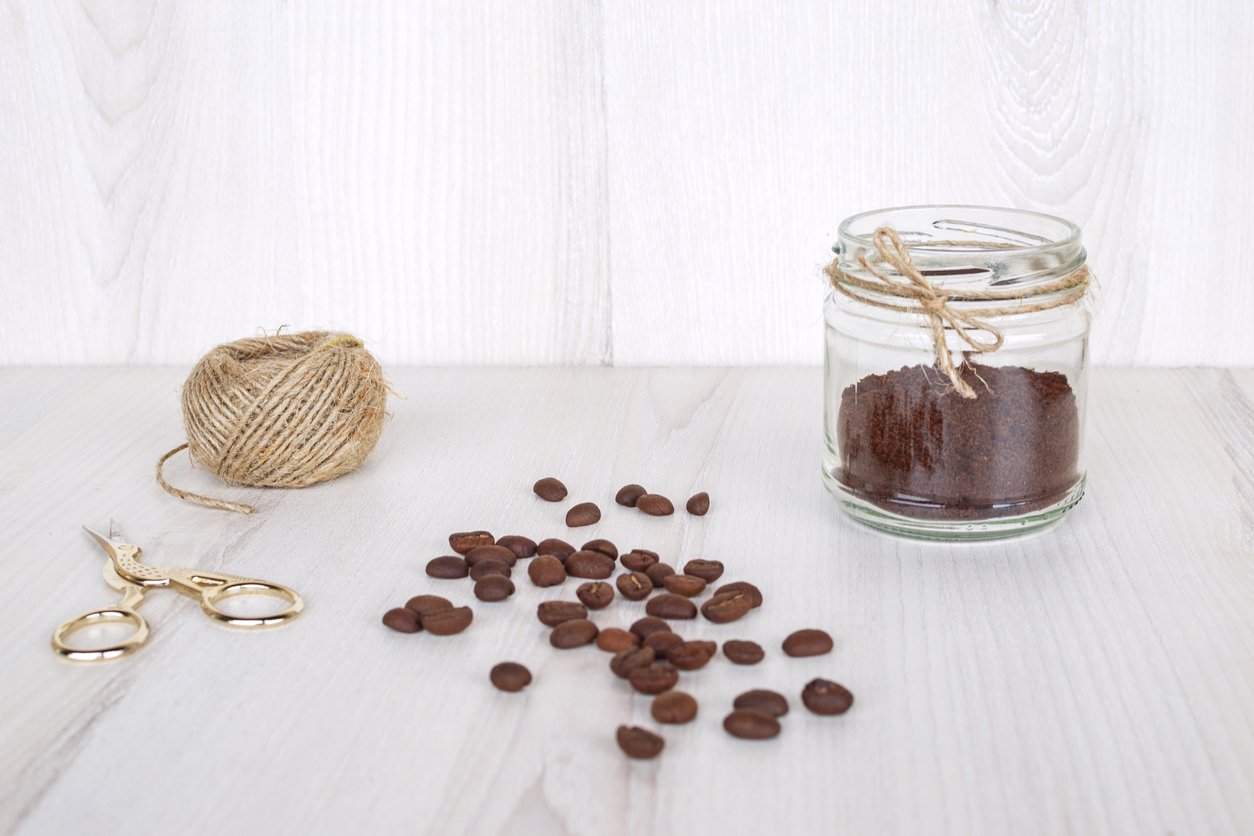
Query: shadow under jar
(956, 370)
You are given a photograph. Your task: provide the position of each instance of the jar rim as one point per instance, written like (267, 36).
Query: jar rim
(1069, 233)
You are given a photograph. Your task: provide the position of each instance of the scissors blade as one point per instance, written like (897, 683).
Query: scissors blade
(109, 543)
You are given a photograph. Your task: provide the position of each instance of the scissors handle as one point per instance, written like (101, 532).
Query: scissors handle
(213, 588)
(115, 615)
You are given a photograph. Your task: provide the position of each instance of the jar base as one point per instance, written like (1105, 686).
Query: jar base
(956, 531)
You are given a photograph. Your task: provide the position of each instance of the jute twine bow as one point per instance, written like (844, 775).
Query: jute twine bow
(286, 411)
(919, 295)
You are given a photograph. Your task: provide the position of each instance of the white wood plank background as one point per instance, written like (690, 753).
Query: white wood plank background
(1098, 678)
(548, 182)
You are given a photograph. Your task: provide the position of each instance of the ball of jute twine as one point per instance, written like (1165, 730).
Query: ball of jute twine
(918, 295)
(283, 411)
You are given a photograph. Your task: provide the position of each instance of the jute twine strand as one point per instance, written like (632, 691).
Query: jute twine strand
(285, 411)
(918, 295)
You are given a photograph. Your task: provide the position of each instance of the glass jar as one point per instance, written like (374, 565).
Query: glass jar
(956, 370)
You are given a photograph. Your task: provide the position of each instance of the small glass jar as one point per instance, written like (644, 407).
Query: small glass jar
(987, 442)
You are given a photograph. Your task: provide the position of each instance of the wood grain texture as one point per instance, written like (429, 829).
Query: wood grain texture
(582, 182)
(1096, 678)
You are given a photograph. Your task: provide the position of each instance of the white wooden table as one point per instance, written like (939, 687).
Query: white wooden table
(1096, 678)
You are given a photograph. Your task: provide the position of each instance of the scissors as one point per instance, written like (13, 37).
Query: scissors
(125, 573)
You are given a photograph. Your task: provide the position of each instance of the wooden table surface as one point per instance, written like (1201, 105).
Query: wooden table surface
(1098, 677)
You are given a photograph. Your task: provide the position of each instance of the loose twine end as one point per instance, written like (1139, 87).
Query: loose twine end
(199, 499)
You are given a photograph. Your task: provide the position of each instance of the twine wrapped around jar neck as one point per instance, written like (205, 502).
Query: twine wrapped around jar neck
(919, 295)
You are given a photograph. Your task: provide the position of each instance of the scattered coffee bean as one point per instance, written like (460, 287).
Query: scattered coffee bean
(638, 560)
(808, 643)
(574, 633)
(755, 594)
(743, 652)
(546, 570)
(448, 622)
(464, 541)
(402, 620)
(653, 679)
(625, 661)
(628, 494)
(615, 640)
(550, 489)
(751, 725)
(649, 625)
(420, 605)
(635, 586)
(659, 572)
(596, 595)
(558, 548)
(605, 547)
(726, 607)
(655, 505)
(448, 567)
(553, 613)
(493, 588)
(671, 606)
(519, 545)
(760, 699)
(639, 743)
(510, 676)
(822, 696)
(698, 504)
(673, 707)
(585, 513)
(492, 552)
(707, 570)
(661, 642)
(491, 566)
(685, 585)
(691, 656)
(591, 565)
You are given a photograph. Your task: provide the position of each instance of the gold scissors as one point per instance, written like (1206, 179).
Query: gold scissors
(125, 573)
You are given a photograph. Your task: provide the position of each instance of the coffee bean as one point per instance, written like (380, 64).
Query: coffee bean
(491, 566)
(546, 570)
(743, 652)
(464, 541)
(653, 679)
(510, 676)
(673, 707)
(493, 588)
(493, 552)
(659, 572)
(760, 699)
(615, 640)
(685, 585)
(698, 504)
(550, 489)
(671, 606)
(596, 595)
(553, 613)
(691, 656)
(822, 696)
(751, 725)
(574, 633)
(420, 605)
(592, 565)
(649, 625)
(448, 622)
(637, 560)
(558, 548)
(662, 642)
(639, 743)
(655, 505)
(628, 494)
(635, 586)
(585, 513)
(755, 594)
(605, 547)
(625, 661)
(726, 607)
(448, 567)
(707, 570)
(519, 545)
(402, 620)
(808, 643)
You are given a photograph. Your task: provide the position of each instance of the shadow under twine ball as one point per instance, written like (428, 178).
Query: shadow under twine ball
(286, 411)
